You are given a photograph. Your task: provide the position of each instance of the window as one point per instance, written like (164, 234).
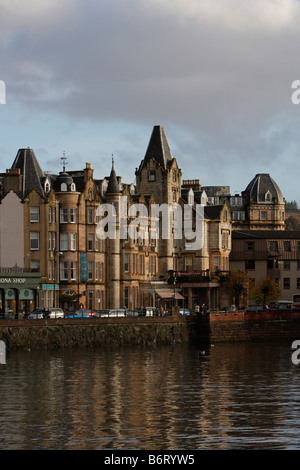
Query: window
(249, 246)
(51, 270)
(73, 270)
(298, 264)
(52, 214)
(63, 216)
(73, 216)
(286, 283)
(90, 217)
(298, 246)
(63, 187)
(126, 262)
(152, 261)
(91, 298)
(134, 263)
(51, 240)
(174, 176)
(73, 241)
(287, 246)
(286, 265)
(250, 264)
(151, 175)
(34, 240)
(236, 201)
(141, 264)
(238, 215)
(298, 282)
(101, 271)
(188, 263)
(273, 246)
(73, 187)
(90, 241)
(34, 214)
(263, 215)
(64, 245)
(268, 197)
(47, 186)
(64, 270)
(216, 263)
(126, 296)
(91, 270)
(35, 266)
(225, 238)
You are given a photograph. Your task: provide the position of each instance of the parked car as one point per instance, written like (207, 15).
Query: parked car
(131, 313)
(54, 313)
(184, 311)
(37, 314)
(257, 308)
(82, 313)
(117, 312)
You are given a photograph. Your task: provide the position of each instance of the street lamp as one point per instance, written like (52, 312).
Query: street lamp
(174, 282)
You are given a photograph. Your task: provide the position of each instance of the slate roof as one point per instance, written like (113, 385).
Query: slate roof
(260, 185)
(30, 170)
(113, 185)
(266, 234)
(158, 148)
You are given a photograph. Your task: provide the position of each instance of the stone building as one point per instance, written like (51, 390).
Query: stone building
(260, 206)
(273, 254)
(49, 231)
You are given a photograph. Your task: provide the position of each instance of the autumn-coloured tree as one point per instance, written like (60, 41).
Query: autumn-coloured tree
(266, 291)
(238, 285)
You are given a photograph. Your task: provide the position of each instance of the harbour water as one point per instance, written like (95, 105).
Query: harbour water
(182, 397)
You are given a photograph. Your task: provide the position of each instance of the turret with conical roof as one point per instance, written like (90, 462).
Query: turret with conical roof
(30, 170)
(113, 185)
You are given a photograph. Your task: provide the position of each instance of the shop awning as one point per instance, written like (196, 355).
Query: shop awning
(168, 294)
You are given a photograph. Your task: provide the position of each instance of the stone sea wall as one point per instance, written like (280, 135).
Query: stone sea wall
(68, 333)
(144, 331)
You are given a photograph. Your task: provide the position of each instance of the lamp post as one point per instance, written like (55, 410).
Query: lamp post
(174, 282)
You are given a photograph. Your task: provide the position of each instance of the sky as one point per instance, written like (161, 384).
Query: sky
(91, 78)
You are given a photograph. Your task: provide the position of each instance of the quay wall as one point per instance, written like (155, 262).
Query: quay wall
(215, 327)
(254, 326)
(44, 334)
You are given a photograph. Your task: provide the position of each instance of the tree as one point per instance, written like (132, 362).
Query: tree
(238, 286)
(266, 291)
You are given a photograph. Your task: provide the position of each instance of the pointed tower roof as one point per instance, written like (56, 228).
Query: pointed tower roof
(113, 185)
(158, 147)
(30, 170)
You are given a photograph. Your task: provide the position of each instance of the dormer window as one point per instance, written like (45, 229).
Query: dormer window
(191, 196)
(268, 196)
(73, 187)
(47, 186)
(63, 187)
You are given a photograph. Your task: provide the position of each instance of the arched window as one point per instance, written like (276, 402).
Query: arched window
(73, 187)
(63, 187)
(47, 186)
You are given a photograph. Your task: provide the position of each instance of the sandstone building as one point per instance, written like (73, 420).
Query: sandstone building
(51, 253)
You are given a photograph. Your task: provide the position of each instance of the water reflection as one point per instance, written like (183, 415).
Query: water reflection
(236, 396)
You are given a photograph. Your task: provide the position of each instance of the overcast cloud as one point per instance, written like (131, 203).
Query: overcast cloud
(99, 74)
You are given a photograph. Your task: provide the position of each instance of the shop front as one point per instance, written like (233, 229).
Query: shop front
(19, 292)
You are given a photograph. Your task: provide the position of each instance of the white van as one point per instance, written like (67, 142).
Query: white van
(118, 312)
